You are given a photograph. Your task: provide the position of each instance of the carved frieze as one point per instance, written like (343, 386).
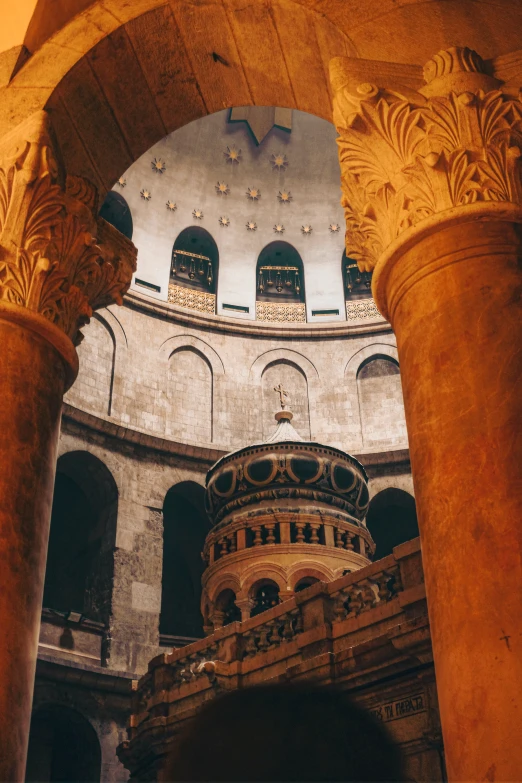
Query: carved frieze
(56, 258)
(407, 154)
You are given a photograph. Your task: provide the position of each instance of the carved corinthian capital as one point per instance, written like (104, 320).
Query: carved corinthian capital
(414, 143)
(57, 259)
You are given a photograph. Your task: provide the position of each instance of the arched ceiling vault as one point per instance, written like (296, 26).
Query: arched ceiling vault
(120, 75)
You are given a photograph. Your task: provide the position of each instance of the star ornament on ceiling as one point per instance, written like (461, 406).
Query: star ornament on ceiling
(253, 194)
(224, 221)
(285, 197)
(158, 165)
(251, 225)
(232, 155)
(222, 189)
(146, 194)
(279, 161)
(122, 182)
(279, 228)
(334, 228)
(306, 229)
(171, 206)
(197, 214)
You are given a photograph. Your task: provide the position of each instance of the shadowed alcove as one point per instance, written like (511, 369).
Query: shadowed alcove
(185, 526)
(392, 520)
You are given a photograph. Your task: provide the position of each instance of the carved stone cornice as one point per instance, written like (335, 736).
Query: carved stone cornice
(411, 151)
(58, 261)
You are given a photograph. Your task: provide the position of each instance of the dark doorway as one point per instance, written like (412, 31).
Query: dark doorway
(185, 526)
(391, 520)
(63, 746)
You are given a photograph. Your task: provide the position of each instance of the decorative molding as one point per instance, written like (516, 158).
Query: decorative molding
(273, 311)
(232, 155)
(158, 165)
(191, 298)
(222, 189)
(409, 155)
(56, 258)
(279, 161)
(361, 309)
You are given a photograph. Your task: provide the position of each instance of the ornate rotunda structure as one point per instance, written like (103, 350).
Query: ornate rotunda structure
(286, 513)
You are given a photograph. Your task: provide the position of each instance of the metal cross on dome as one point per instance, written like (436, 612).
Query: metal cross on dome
(284, 397)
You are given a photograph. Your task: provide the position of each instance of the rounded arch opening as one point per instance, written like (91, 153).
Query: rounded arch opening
(265, 595)
(116, 211)
(391, 520)
(79, 568)
(62, 746)
(279, 274)
(306, 581)
(225, 604)
(195, 260)
(356, 284)
(185, 526)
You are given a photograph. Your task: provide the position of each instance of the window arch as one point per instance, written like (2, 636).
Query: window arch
(265, 595)
(306, 581)
(391, 520)
(195, 260)
(116, 211)
(225, 604)
(280, 293)
(79, 569)
(185, 526)
(357, 284)
(62, 746)
(295, 381)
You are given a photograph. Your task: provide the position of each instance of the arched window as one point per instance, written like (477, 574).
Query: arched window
(185, 526)
(381, 403)
(391, 520)
(280, 293)
(79, 569)
(306, 581)
(265, 595)
(116, 211)
(357, 284)
(226, 604)
(194, 270)
(62, 746)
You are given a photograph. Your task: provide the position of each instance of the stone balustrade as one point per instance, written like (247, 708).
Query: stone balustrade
(286, 528)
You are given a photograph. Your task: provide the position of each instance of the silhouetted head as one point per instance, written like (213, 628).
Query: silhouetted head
(284, 733)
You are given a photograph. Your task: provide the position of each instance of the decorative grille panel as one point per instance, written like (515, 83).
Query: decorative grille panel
(362, 308)
(273, 311)
(195, 300)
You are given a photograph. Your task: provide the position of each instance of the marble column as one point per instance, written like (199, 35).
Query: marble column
(57, 264)
(430, 166)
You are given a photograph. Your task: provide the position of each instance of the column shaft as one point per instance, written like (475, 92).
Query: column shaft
(32, 382)
(454, 303)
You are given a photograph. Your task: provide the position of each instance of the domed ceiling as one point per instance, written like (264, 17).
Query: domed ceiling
(249, 177)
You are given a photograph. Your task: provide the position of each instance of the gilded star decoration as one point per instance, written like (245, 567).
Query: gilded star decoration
(158, 165)
(222, 189)
(232, 155)
(279, 228)
(197, 214)
(171, 206)
(122, 182)
(285, 197)
(224, 221)
(146, 194)
(253, 194)
(279, 162)
(251, 225)
(334, 228)
(307, 229)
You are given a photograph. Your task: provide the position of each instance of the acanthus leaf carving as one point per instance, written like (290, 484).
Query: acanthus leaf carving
(52, 261)
(406, 157)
